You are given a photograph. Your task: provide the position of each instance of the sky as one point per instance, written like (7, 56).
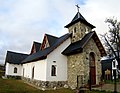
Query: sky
(25, 21)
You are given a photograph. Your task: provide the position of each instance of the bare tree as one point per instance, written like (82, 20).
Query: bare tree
(112, 39)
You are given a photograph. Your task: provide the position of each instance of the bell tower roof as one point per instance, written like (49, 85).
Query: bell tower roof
(78, 17)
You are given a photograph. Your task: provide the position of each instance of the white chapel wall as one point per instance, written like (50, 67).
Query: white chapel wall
(10, 69)
(60, 61)
(39, 70)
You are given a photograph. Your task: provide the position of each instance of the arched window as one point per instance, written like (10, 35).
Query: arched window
(74, 31)
(15, 70)
(53, 70)
(33, 72)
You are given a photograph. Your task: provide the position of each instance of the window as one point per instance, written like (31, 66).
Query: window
(53, 70)
(74, 31)
(33, 72)
(54, 61)
(15, 70)
(114, 63)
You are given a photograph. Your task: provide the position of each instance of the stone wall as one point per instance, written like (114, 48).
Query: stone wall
(91, 47)
(75, 69)
(46, 84)
(13, 77)
(81, 30)
(78, 66)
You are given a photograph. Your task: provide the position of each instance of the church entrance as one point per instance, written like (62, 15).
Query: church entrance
(92, 68)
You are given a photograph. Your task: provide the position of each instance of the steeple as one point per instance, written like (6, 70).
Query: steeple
(78, 17)
(79, 26)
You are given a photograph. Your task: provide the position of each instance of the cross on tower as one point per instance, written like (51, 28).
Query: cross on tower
(77, 7)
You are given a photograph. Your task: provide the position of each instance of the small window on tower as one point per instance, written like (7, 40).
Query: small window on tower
(74, 31)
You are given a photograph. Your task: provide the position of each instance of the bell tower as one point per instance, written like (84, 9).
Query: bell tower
(79, 27)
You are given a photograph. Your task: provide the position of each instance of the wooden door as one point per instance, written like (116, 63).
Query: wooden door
(92, 69)
(93, 75)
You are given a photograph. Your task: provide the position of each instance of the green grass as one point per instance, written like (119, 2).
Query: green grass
(18, 86)
(97, 91)
(112, 81)
(1, 73)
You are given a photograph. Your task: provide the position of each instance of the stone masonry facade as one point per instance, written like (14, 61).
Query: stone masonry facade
(78, 66)
(45, 85)
(81, 30)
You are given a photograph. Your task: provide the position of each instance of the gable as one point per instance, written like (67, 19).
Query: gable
(99, 44)
(45, 43)
(35, 47)
(92, 47)
(77, 47)
(33, 50)
(43, 53)
(48, 41)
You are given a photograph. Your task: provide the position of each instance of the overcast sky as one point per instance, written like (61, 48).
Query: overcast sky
(25, 21)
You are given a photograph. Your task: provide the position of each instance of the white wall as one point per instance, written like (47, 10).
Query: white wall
(10, 69)
(39, 70)
(61, 63)
(42, 68)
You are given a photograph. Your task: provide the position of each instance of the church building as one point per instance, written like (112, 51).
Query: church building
(70, 60)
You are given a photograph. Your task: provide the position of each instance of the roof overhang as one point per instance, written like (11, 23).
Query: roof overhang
(80, 20)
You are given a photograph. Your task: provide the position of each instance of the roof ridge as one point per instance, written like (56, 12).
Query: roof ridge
(51, 39)
(78, 16)
(16, 53)
(36, 42)
(42, 54)
(77, 46)
(92, 32)
(51, 35)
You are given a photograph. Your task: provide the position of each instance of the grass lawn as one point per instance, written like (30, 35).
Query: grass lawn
(112, 81)
(18, 86)
(1, 73)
